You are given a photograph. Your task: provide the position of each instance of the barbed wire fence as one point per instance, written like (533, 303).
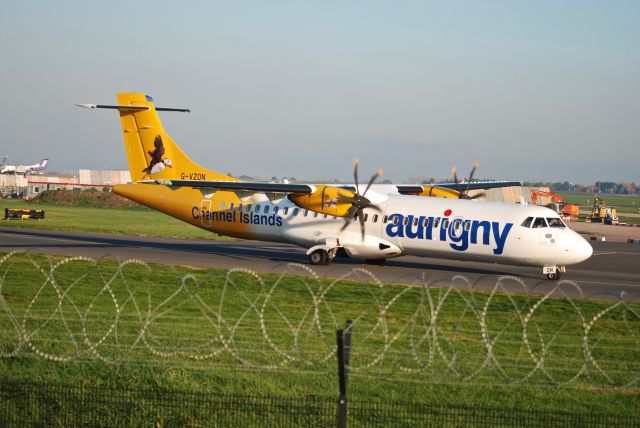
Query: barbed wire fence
(437, 330)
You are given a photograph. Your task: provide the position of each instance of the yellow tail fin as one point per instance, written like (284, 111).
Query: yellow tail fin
(152, 154)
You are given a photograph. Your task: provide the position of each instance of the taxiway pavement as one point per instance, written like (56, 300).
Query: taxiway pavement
(612, 273)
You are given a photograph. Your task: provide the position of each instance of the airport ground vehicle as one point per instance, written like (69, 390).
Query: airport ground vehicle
(601, 213)
(557, 204)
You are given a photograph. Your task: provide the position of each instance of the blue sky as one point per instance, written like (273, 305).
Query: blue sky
(530, 90)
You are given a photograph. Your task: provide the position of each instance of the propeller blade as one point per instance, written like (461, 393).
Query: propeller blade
(347, 199)
(361, 219)
(355, 174)
(373, 178)
(473, 170)
(454, 173)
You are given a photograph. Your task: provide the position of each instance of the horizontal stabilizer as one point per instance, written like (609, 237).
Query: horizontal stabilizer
(132, 108)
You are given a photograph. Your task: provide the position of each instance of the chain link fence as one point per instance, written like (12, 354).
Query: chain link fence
(47, 404)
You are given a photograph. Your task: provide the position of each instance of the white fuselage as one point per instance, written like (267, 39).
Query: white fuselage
(430, 227)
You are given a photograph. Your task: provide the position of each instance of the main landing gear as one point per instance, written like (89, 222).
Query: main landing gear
(553, 273)
(318, 257)
(322, 257)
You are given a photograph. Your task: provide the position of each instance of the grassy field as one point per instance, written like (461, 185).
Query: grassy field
(623, 204)
(162, 327)
(139, 221)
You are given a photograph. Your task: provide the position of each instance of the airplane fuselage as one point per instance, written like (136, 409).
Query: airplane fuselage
(407, 225)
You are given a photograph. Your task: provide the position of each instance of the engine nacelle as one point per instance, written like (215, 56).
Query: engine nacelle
(439, 192)
(325, 200)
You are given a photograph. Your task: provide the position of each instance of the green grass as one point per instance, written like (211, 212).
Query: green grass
(162, 327)
(623, 204)
(126, 221)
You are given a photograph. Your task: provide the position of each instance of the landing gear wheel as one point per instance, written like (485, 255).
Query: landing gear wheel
(378, 262)
(318, 257)
(553, 276)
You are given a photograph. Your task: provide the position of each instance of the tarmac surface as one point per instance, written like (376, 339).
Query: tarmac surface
(612, 273)
(611, 233)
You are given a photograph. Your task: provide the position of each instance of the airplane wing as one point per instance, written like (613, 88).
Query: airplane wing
(253, 186)
(474, 185)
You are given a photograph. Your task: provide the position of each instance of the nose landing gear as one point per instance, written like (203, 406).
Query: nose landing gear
(553, 273)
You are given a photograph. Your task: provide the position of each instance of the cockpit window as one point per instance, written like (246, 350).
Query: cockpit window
(555, 222)
(539, 222)
(527, 222)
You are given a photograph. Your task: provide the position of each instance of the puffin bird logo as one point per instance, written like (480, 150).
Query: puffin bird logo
(157, 164)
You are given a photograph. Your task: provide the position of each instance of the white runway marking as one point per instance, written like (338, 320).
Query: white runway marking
(607, 283)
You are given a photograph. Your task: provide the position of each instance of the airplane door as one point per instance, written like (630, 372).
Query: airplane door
(205, 207)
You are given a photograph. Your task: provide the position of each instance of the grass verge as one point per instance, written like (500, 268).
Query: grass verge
(156, 327)
(123, 221)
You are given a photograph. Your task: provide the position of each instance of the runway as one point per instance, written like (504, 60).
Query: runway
(613, 271)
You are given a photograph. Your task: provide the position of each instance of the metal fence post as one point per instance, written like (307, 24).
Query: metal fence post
(343, 339)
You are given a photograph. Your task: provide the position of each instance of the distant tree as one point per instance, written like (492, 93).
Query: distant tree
(606, 186)
(560, 187)
(621, 189)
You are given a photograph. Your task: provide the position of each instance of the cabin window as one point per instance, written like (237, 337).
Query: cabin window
(375, 218)
(467, 225)
(527, 222)
(257, 208)
(275, 210)
(266, 209)
(306, 213)
(231, 206)
(457, 224)
(366, 216)
(436, 222)
(555, 222)
(285, 211)
(539, 222)
(315, 214)
(415, 221)
(222, 205)
(248, 207)
(395, 220)
(445, 223)
(295, 211)
(324, 216)
(240, 207)
(384, 219)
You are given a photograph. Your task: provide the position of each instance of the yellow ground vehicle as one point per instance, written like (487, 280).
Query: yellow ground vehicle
(601, 213)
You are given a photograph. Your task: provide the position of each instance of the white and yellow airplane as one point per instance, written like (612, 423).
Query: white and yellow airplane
(372, 222)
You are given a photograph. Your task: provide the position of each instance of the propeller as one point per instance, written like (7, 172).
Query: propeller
(464, 193)
(358, 201)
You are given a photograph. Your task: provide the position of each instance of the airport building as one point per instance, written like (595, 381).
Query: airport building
(29, 186)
